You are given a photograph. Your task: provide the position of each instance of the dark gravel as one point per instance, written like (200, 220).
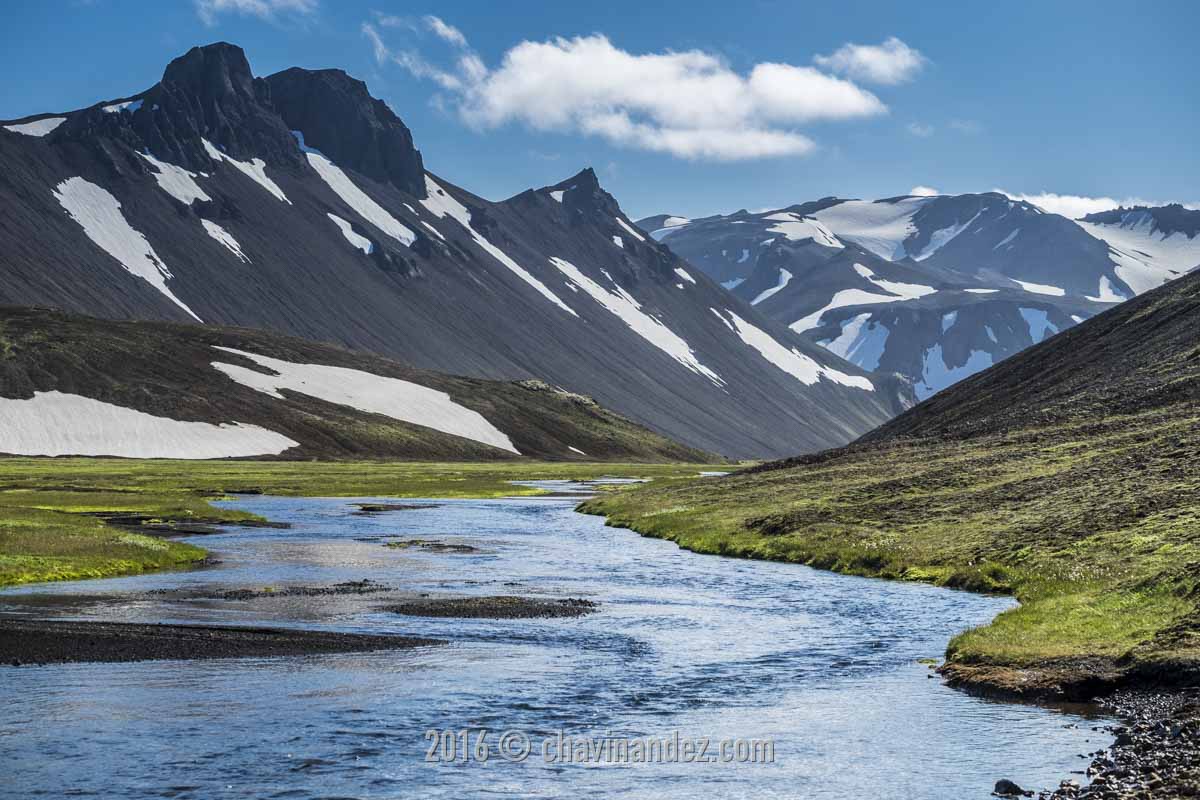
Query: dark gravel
(55, 642)
(497, 607)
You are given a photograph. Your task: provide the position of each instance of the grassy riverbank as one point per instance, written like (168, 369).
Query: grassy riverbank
(53, 511)
(1093, 525)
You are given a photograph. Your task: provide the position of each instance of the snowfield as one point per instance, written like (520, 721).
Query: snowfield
(880, 228)
(942, 236)
(224, 237)
(1144, 258)
(355, 239)
(99, 214)
(785, 277)
(1040, 288)
(39, 127)
(57, 424)
(176, 181)
(443, 205)
(797, 228)
(622, 305)
(255, 169)
(859, 343)
(356, 198)
(1108, 293)
(374, 394)
(937, 375)
(683, 273)
(634, 232)
(793, 362)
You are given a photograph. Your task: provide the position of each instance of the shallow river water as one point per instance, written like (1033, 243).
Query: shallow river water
(825, 666)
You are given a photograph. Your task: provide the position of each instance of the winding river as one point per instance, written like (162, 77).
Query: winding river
(825, 666)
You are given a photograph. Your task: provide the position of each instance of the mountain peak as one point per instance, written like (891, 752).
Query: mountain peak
(338, 116)
(212, 71)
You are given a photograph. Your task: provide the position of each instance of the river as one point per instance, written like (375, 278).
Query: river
(823, 666)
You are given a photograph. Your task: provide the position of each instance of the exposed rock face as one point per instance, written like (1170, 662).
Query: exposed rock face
(340, 118)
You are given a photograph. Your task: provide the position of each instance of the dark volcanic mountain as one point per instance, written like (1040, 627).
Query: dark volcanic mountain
(73, 385)
(934, 288)
(298, 203)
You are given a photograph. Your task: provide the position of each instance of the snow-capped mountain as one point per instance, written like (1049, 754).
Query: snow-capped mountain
(934, 288)
(299, 203)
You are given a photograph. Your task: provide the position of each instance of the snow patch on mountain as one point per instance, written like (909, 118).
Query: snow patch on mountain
(841, 298)
(176, 181)
(39, 127)
(937, 375)
(860, 343)
(797, 228)
(683, 273)
(942, 236)
(365, 391)
(669, 225)
(1041, 288)
(784, 278)
(1108, 293)
(634, 232)
(255, 169)
(1007, 239)
(981, 291)
(355, 239)
(623, 305)
(732, 284)
(353, 196)
(948, 320)
(879, 227)
(1040, 326)
(224, 237)
(99, 214)
(906, 291)
(618, 241)
(801, 367)
(441, 204)
(1145, 258)
(58, 424)
(129, 106)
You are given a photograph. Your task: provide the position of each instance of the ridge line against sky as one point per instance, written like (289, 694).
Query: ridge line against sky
(714, 109)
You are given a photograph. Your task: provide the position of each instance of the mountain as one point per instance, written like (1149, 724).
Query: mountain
(74, 385)
(1062, 475)
(298, 203)
(933, 288)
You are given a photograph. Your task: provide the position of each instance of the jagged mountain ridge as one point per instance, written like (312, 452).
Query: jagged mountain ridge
(934, 288)
(231, 199)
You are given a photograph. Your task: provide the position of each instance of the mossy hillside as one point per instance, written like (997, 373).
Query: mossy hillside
(1094, 525)
(51, 510)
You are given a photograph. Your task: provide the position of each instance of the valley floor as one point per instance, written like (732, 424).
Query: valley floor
(67, 519)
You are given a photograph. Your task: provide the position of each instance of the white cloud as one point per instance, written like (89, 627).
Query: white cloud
(1076, 206)
(689, 104)
(209, 10)
(966, 126)
(447, 33)
(923, 191)
(920, 129)
(889, 63)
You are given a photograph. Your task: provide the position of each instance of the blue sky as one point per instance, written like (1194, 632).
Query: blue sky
(1089, 99)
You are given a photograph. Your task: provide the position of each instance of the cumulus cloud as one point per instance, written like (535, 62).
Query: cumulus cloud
(921, 129)
(1076, 206)
(690, 104)
(923, 191)
(209, 10)
(889, 63)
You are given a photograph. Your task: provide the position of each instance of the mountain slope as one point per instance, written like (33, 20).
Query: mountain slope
(1062, 475)
(298, 203)
(934, 288)
(72, 385)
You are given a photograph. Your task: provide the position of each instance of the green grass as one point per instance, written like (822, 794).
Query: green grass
(47, 532)
(1093, 525)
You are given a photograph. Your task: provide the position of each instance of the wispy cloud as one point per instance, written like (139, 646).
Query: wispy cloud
(689, 104)
(1076, 206)
(920, 129)
(966, 126)
(923, 191)
(888, 63)
(210, 10)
